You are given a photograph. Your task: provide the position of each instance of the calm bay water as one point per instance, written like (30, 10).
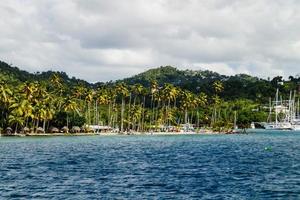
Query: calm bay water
(254, 166)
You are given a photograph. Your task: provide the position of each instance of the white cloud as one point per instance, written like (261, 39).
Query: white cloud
(100, 40)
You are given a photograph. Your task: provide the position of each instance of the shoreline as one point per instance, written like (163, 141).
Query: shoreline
(117, 134)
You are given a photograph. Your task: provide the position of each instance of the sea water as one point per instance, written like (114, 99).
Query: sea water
(253, 166)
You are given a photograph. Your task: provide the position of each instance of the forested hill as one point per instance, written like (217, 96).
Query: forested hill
(14, 74)
(238, 86)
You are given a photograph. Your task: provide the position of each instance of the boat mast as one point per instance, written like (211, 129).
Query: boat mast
(294, 107)
(290, 111)
(298, 104)
(270, 111)
(276, 109)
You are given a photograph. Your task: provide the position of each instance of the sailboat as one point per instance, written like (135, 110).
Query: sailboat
(279, 123)
(295, 114)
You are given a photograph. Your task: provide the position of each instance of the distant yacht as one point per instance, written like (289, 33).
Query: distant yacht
(286, 113)
(281, 115)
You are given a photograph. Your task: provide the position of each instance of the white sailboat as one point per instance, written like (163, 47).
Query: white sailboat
(295, 117)
(279, 123)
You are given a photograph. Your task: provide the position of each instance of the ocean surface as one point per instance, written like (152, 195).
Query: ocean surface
(253, 166)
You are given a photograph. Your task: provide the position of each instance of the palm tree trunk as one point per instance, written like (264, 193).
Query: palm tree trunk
(152, 108)
(44, 125)
(198, 118)
(89, 113)
(167, 112)
(129, 107)
(156, 113)
(97, 114)
(27, 121)
(122, 115)
(37, 124)
(16, 128)
(109, 114)
(67, 120)
(143, 113)
(185, 116)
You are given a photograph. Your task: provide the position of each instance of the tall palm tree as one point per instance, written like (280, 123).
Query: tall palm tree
(5, 93)
(70, 106)
(58, 88)
(136, 115)
(111, 92)
(102, 98)
(188, 101)
(89, 97)
(153, 91)
(137, 90)
(15, 120)
(169, 94)
(218, 88)
(79, 91)
(5, 100)
(16, 115)
(123, 91)
(201, 102)
(28, 89)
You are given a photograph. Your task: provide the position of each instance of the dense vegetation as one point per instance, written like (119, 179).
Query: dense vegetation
(155, 99)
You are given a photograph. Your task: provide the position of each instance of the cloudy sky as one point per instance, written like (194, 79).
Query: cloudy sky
(101, 40)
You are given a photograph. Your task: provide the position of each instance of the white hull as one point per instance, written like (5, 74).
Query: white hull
(296, 127)
(278, 126)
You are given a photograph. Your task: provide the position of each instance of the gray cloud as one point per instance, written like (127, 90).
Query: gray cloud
(100, 40)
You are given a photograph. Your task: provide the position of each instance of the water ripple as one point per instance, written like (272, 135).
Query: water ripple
(151, 167)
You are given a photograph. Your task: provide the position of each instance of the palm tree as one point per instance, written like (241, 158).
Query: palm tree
(79, 91)
(49, 110)
(218, 88)
(89, 97)
(16, 120)
(59, 88)
(39, 113)
(5, 93)
(169, 93)
(5, 100)
(137, 90)
(28, 89)
(16, 113)
(56, 82)
(188, 101)
(153, 90)
(28, 110)
(122, 90)
(102, 98)
(70, 106)
(136, 114)
(144, 92)
(111, 92)
(201, 103)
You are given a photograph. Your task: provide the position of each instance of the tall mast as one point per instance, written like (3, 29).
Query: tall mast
(290, 111)
(276, 110)
(293, 114)
(298, 108)
(270, 111)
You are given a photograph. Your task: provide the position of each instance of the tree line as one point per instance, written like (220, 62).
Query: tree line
(42, 105)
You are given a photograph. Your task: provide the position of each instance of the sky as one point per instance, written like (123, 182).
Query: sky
(100, 40)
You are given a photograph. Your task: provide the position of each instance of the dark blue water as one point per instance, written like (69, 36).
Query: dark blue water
(254, 166)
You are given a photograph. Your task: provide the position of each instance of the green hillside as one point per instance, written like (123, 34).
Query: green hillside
(14, 74)
(196, 81)
(161, 97)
